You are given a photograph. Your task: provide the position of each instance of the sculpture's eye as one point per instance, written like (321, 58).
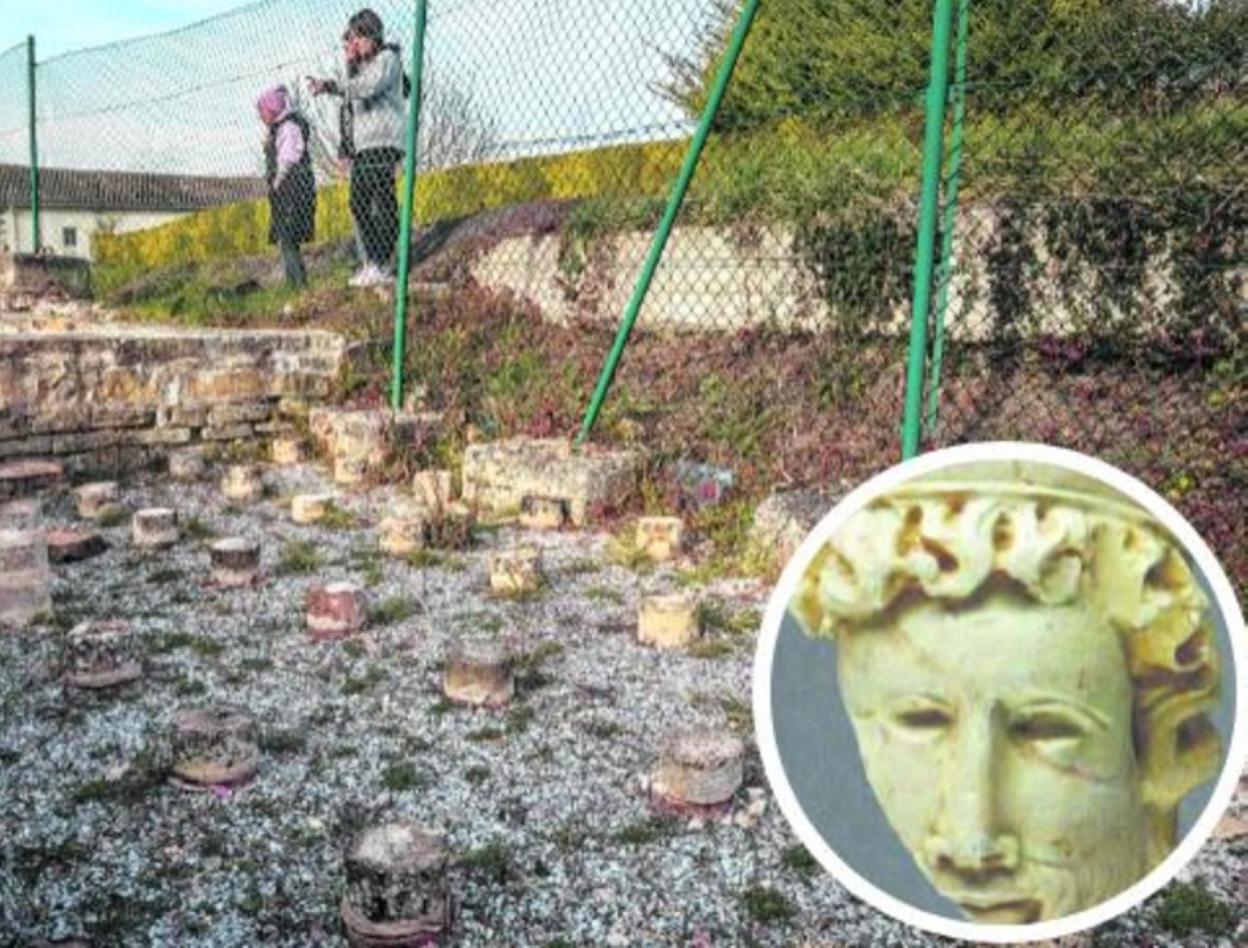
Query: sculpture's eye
(1048, 727)
(923, 720)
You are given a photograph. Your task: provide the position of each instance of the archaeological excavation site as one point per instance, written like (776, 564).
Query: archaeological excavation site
(280, 669)
(423, 431)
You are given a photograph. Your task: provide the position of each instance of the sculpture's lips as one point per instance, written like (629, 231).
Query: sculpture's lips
(1001, 910)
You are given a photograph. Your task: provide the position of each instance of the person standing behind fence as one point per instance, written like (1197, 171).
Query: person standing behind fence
(292, 184)
(374, 89)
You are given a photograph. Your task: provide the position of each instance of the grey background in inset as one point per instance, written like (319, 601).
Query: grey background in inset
(820, 757)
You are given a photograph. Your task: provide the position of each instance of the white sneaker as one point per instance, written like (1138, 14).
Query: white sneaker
(363, 277)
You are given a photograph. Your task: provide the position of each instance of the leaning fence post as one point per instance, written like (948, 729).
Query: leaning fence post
(953, 186)
(933, 152)
(409, 200)
(36, 236)
(674, 203)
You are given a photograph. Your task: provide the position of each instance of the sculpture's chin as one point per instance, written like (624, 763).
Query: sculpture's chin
(1011, 912)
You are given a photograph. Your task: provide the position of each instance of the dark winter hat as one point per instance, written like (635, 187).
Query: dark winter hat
(367, 25)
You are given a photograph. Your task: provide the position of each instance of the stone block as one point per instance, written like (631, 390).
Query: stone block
(163, 437)
(310, 508)
(699, 769)
(227, 433)
(187, 466)
(784, 520)
(122, 416)
(478, 672)
(98, 500)
(660, 538)
(99, 655)
(155, 528)
(403, 533)
(24, 597)
(73, 545)
(222, 416)
(235, 562)
(500, 475)
(215, 746)
(516, 572)
(29, 478)
(335, 611)
(286, 452)
(25, 514)
(25, 447)
(243, 483)
(668, 622)
(396, 893)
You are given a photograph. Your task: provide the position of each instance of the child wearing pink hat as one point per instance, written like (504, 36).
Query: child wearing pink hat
(292, 184)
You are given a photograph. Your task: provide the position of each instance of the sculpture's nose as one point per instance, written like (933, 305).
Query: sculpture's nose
(968, 838)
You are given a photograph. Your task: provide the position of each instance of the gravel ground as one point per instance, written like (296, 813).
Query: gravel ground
(542, 803)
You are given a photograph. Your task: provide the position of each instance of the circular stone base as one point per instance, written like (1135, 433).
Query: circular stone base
(203, 774)
(420, 933)
(666, 805)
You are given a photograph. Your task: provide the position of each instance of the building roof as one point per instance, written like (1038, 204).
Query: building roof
(71, 189)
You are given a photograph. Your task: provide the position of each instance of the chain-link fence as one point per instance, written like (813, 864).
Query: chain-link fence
(1089, 287)
(1092, 287)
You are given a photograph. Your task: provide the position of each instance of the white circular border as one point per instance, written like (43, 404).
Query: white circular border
(783, 594)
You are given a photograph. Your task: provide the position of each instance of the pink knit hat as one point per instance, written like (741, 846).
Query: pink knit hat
(275, 101)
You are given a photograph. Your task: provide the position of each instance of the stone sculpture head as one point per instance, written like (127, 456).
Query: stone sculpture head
(1028, 664)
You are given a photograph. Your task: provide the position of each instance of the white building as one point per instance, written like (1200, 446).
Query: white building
(77, 205)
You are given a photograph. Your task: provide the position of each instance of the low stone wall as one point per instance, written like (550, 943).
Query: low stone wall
(115, 398)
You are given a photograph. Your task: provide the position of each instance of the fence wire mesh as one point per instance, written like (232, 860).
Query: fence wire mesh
(1092, 283)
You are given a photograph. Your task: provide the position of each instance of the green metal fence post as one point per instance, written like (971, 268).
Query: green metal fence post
(36, 236)
(674, 204)
(953, 185)
(409, 200)
(933, 150)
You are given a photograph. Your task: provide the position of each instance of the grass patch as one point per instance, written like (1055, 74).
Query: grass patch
(196, 529)
(284, 742)
(364, 683)
(402, 776)
(113, 517)
(739, 713)
(766, 905)
(298, 557)
(485, 734)
(799, 860)
(520, 718)
(1188, 908)
(162, 577)
(338, 518)
(582, 567)
(604, 594)
(491, 861)
(530, 675)
(710, 648)
(477, 775)
(602, 730)
(425, 559)
(623, 550)
(645, 832)
(392, 611)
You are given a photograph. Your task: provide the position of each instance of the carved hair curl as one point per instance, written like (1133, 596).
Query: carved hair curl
(946, 540)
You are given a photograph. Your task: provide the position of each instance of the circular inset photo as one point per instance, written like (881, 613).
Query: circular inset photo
(995, 692)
